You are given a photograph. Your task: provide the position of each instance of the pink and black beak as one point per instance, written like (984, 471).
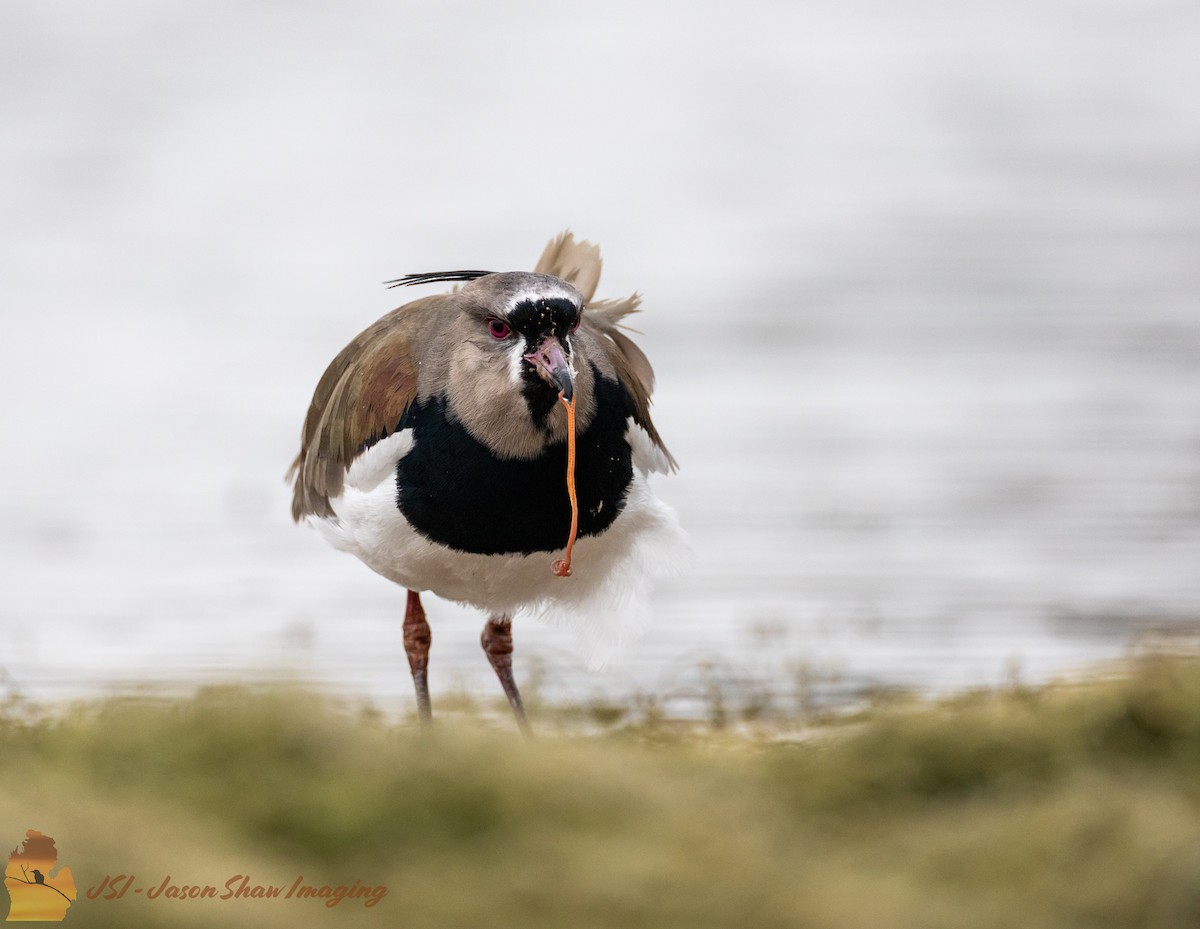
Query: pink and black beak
(550, 362)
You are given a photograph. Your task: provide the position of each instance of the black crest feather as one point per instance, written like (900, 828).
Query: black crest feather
(432, 277)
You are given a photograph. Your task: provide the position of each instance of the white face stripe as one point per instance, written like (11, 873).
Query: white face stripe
(571, 357)
(542, 293)
(516, 358)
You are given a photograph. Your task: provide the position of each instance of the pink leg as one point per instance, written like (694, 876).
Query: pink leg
(498, 646)
(416, 644)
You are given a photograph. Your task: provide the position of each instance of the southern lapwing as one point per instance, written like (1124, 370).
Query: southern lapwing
(457, 441)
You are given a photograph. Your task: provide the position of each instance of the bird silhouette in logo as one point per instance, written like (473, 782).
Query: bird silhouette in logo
(39, 887)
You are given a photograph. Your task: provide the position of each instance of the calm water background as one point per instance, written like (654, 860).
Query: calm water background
(922, 286)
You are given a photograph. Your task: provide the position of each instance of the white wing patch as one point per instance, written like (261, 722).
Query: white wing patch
(647, 457)
(378, 463)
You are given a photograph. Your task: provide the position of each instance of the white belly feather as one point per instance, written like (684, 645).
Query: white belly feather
(605, 598)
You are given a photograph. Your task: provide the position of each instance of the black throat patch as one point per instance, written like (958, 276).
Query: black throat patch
(533, 321)
(453, 490)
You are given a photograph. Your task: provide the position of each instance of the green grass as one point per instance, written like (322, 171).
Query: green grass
(1071, 806)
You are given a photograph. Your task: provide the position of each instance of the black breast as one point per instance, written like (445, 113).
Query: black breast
(453, 490)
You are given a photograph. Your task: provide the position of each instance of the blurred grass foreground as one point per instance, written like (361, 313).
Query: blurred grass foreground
(1077, 804)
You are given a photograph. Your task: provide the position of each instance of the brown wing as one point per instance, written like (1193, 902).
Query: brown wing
(361, 399)
(603, 319)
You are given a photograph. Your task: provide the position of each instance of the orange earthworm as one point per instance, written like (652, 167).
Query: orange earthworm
(562, 567)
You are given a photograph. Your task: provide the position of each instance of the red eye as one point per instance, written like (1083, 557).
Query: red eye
(578, 320)
(498, 329)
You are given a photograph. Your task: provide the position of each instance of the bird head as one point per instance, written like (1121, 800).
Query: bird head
(509, 345)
